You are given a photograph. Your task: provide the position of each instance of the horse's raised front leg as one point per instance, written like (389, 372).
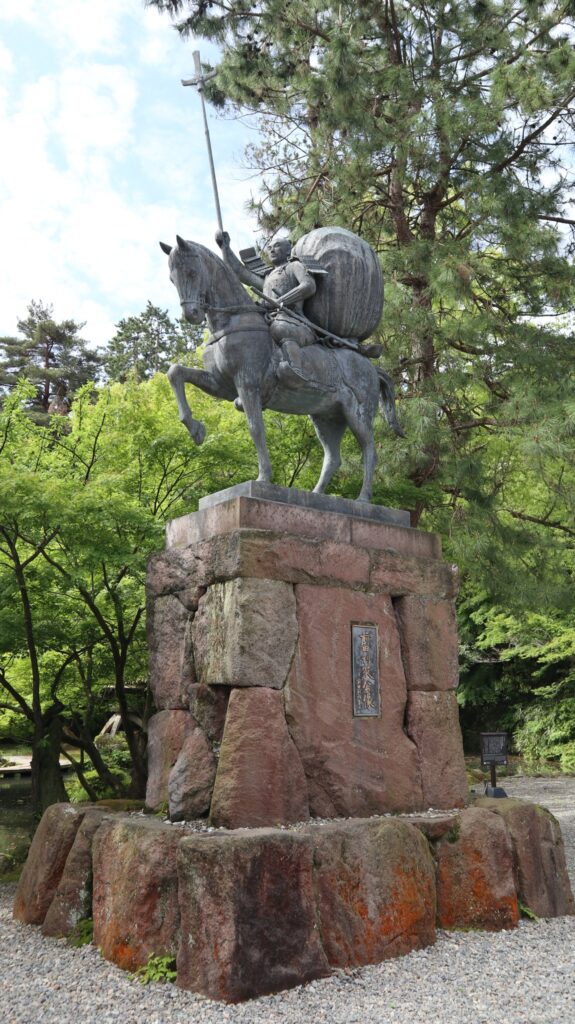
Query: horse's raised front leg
(178, 377)
(251, 400)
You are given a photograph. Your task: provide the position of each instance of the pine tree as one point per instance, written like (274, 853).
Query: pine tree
(442, 133)
(52, 356)
(146, 344)
(438, 131)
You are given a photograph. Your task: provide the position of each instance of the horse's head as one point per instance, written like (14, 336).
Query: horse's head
(187, 273)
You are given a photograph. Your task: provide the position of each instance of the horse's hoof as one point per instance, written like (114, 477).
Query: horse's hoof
(199, 432)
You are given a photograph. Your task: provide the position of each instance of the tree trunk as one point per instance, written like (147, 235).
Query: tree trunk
(47, 783)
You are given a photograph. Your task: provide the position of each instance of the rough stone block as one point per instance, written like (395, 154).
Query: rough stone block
(171, 663)
(244, 633)
(191, 780)
(395, 538)
(209, 705)
(244, 513)
(166, 734)
(260, 778)
(436, 827)
(46, 859)
(433, 725)
(73, 898)
(135, 900)
(400, 574)
(375, 890)
(429, 644)
(541, 876)
(475, 883)
(354, 766)
(248, 916)
(297, 559)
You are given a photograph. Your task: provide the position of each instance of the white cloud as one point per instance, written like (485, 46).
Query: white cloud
(6, 60)
(106, 157)
(74, 26)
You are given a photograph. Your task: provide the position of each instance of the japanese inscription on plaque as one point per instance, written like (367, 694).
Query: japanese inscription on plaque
(493, 748)
(365, 673)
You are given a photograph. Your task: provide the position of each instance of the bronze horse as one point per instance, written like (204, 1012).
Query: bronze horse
(336, 387)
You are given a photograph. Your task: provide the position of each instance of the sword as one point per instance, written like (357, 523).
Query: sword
(199, 81)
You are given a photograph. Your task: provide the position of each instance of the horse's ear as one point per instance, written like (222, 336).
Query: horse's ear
(182, 244)
(165, 248)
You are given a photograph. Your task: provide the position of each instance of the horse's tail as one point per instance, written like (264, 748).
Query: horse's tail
(387, 401)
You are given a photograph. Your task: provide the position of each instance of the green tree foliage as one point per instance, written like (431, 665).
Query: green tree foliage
(146, 344)
(51, 355)
(81, 509)
(441, 132)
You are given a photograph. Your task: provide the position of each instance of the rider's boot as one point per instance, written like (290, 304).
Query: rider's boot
(372, 351)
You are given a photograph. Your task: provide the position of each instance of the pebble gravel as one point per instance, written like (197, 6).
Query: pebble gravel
(525, 976)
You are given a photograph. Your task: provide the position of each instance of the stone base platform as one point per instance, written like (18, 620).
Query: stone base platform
(266, 712)
(255, 911)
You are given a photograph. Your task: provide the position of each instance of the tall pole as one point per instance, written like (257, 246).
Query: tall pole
(199, 81)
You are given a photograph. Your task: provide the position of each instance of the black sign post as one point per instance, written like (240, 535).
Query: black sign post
(493, 752)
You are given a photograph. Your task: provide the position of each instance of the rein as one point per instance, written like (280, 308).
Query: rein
(239, 328)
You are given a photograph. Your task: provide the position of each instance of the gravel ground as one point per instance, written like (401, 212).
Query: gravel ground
(519, 977)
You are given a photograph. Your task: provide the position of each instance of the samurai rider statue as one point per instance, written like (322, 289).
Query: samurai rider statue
(286, 285)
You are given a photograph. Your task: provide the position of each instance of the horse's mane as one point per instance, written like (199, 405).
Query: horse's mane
(216, 265)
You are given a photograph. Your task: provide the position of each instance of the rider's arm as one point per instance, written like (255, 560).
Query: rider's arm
(231, 260)
(303, 290)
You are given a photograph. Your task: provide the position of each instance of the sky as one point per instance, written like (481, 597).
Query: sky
(103, 155)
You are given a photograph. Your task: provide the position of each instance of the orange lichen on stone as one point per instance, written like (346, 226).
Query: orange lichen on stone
(374, 890)
(135, 899)
(475, 884)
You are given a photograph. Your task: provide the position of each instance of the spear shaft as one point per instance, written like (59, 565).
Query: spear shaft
(199, 81)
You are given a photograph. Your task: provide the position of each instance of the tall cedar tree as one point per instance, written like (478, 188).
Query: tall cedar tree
(440, 132)
(146, 344)
(52, 356)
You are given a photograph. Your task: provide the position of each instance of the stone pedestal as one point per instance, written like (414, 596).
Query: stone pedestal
(265, 714)
(304, 664)
(254, 911)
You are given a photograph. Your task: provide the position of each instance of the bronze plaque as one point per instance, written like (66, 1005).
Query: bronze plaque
(365, 672)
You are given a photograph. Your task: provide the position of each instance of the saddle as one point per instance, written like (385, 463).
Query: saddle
(312, 365)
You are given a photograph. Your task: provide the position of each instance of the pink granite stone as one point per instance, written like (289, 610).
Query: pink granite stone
(191, 780)
(244, 633)
(245, 513)
(260, 780)
(73, 898)
(169, 645)
(46, 860)
(302, 560)
(400, 574)
(541, 876)
(429, 644)
(354, 766)
(135, 900)
(209, 705)
(375, 890)
(369, 534)
(248, 915)
(433, 725)
(167, 732)
(475, 886)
